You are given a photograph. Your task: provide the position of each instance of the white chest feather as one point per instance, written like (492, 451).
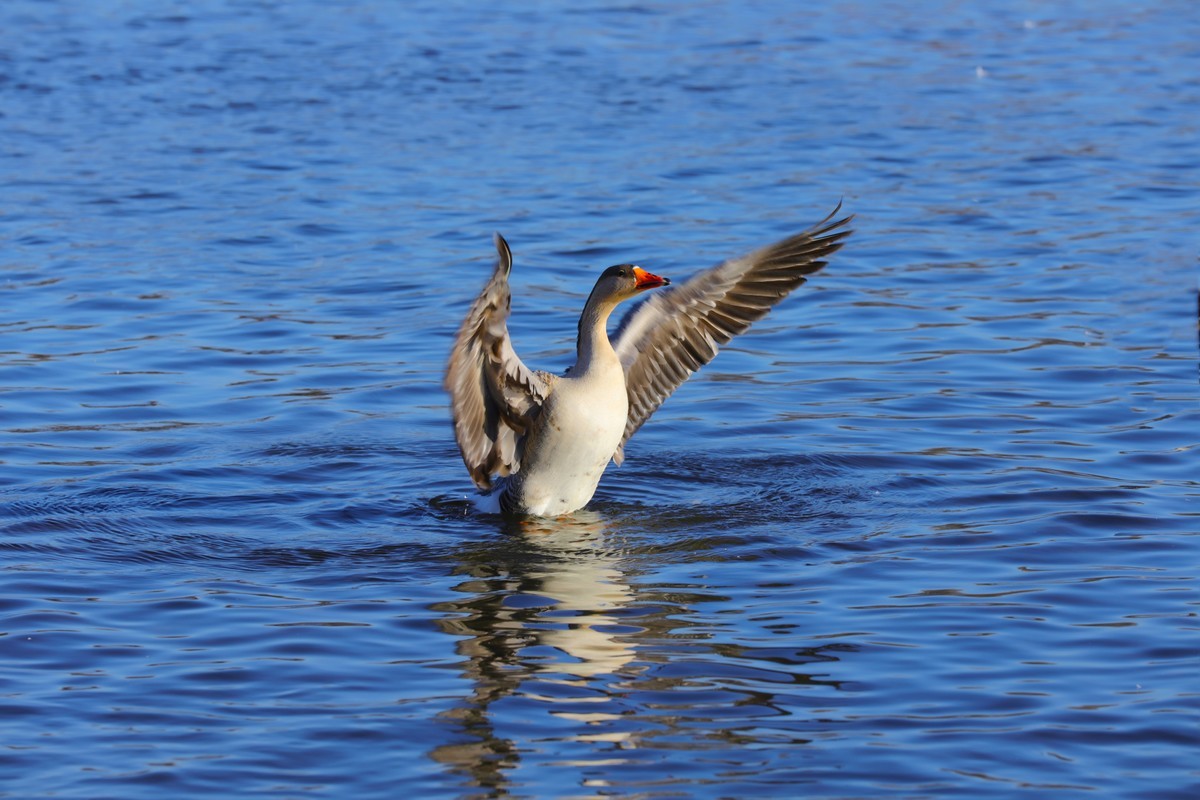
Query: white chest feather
(578, 432)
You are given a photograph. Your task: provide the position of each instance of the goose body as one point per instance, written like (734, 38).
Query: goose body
(583, 420)
(543, 441)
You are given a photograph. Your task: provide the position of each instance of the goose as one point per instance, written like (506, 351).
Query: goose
(538, 442)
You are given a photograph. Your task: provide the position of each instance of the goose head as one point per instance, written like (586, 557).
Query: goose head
(614, 285)
(623, 282)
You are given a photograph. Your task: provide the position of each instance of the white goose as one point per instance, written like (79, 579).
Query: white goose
(550, 437)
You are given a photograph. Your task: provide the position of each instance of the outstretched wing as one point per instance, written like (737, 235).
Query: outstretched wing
(493, 396)
(674, 332)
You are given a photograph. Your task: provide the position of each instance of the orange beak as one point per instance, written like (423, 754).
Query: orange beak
(648, 280)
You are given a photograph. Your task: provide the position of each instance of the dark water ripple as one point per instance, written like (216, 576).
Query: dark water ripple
(930, 530)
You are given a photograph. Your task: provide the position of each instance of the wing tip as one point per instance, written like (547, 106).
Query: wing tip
(826, 226)
(503, 253)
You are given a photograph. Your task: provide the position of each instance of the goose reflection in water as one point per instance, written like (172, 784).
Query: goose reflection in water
(556, 634)
(542, 602)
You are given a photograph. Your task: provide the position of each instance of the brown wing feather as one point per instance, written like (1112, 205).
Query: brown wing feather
(494, 397)
(665, 339)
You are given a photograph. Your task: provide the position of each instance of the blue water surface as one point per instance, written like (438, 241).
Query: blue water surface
(928, 530)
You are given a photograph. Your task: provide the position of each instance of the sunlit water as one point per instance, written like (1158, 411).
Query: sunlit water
(928, 530)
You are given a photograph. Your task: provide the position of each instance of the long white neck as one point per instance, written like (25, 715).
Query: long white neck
(593, 349)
